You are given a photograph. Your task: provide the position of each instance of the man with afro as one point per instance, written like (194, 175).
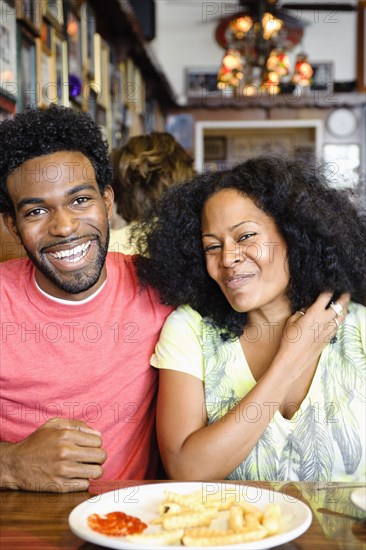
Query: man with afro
(77, 390)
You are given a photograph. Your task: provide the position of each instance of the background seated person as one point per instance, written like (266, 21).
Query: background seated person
(143, 169)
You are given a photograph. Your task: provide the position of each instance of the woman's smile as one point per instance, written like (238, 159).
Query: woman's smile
(245, 253)
(238, 280)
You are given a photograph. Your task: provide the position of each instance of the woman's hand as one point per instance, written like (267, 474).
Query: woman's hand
(307, 333)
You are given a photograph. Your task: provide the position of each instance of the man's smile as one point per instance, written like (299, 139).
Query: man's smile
(72, 254)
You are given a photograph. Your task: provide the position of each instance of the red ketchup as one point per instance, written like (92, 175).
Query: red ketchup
(116, 524)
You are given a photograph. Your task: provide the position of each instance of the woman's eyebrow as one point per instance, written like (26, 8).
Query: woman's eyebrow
(232, 228)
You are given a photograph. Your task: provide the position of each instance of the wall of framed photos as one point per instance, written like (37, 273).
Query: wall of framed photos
(53, 52)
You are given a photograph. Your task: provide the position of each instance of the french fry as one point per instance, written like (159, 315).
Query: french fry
(189, 501)
(200, 532)
(236, 519)
(187, 519)
(250, 509)
(170, 508)
(219, 503)
(270, 520)
(251, 520)
(225, 538)
(157, 539)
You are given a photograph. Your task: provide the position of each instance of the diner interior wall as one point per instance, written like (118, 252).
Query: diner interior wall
(185, 37)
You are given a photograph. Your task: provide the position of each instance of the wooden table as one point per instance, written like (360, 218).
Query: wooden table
(40, 520)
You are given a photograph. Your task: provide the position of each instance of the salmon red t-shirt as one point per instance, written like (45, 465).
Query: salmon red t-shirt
(89, 362)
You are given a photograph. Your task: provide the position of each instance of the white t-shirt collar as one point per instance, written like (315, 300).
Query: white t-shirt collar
(70, 302)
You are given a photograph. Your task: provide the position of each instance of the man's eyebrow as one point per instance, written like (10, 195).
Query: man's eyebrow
(37, 200)
(81, 187)
(29, 201)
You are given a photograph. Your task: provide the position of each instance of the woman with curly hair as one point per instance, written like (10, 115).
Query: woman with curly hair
(143, 169)
(261, 365)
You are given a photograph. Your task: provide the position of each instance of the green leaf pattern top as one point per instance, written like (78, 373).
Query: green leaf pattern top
(325, 440)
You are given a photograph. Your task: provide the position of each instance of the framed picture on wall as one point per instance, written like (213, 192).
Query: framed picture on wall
(44, 74)
(105, 74)
(131, 90)
(361, 46)
(201, 80)
(60, 72)
(215, 148)
(73, 29)
(8, 60)
(54, 11)
(323, 76)
(7, 108)
(29, 88)
(30, 13)
(88, 28)
(342, 164)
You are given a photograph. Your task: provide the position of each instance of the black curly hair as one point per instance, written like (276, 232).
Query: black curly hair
(37, 132)
(324, 232)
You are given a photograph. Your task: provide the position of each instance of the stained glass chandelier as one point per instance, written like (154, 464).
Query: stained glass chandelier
(256, 42)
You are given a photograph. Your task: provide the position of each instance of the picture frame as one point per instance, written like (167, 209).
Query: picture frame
(53, 10)
(88, 29)
(117, 106)
(101, 83)
(73, 32)
(215, 148)
(201, 80)
(8, 56)
(130, 89)
(60, 70)
(323, 76)
(140, 92)
(29, 94)
(46, 35)
(105, 97)
(361, 46)
(45, 81)
(7, 108)
(96, 83)
(181, 126)
(342, 164)
(30, 13)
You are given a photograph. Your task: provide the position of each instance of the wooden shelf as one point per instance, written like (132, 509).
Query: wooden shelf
(313, 99)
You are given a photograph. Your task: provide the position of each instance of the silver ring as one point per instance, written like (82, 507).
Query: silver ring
(337, 308)
(336, 322)
(300, 311)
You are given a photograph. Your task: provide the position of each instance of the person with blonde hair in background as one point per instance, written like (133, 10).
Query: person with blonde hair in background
(143, 169)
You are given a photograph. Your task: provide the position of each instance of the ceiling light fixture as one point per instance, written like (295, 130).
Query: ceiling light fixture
(256, 42)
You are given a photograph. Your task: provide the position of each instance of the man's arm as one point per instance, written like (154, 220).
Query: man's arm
(60, 456)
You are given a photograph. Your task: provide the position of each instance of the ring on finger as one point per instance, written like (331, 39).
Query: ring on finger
(300, 311)
(337, 308)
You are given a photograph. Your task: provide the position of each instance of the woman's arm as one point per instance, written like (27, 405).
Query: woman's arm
(193, 450)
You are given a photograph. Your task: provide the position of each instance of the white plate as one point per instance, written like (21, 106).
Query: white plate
(142, 501)
(358, 498)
